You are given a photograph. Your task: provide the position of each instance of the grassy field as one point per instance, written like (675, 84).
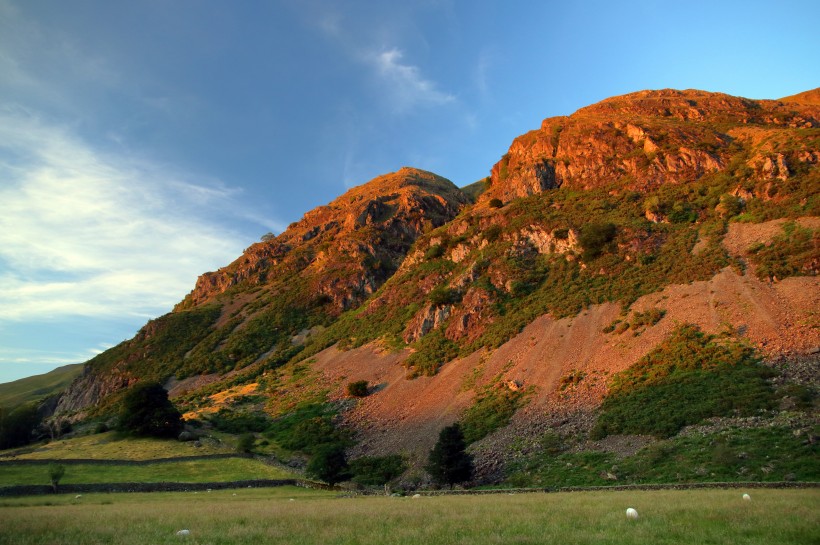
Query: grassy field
(297, 516)
(195, 471)
(112, 446)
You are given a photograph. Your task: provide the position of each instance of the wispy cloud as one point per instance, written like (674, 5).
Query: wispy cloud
(406, 85)
(87, 234)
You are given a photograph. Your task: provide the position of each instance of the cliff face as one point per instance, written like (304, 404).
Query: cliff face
(650, 138)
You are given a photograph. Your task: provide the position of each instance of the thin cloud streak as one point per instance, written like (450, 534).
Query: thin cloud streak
(407, 86)
(84, 234)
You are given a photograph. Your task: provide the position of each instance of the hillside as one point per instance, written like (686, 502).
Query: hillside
(641, 232)
(37, 387)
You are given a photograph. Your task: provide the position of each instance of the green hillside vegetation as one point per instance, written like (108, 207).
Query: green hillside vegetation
(772, 454)
(688, 378)
(796, 252)
(37, 387)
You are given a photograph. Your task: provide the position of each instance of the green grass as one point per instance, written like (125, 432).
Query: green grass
(268, 516)
(13, 394)
(113, 446)
(194, 471)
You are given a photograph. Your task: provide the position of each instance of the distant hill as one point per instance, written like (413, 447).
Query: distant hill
(13, 394)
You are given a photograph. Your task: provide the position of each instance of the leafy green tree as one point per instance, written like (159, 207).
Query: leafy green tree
(449, 463)
(55, 473)
(329, 464)
(147, 410)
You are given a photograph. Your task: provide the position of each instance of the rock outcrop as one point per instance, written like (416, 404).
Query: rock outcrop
(646, 139)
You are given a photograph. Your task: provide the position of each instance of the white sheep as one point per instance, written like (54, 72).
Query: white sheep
(631, 514)
(747, 497)
(184, 533)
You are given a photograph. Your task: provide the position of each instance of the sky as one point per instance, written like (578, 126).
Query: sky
(143, 143)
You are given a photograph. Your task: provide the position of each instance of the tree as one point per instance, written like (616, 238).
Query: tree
(449, 462)
(329, 464)
(148, 411)
(377, 470)
(17, 425)
(55, 473)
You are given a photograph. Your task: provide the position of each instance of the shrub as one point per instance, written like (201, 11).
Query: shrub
(493, 232)
(595, 237)
(55, 473)
(442, 295)
(357, 388)
(245, 442)
(434, 252)
(495, 203)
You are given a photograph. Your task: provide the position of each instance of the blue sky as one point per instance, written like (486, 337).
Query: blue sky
(143, 143)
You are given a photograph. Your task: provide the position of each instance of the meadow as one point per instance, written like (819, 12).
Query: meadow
(187, 471)
(298, 516)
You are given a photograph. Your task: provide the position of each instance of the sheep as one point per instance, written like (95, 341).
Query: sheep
(747, 497)
(631, 514)
(184, 533)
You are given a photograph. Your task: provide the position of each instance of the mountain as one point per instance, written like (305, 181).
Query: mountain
(258, 309)
(606, 256)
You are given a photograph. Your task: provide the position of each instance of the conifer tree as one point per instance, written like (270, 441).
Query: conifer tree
(449, 462)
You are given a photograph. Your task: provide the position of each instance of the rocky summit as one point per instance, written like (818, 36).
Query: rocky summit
(654, 245)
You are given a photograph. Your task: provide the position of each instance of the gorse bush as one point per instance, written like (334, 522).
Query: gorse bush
(595, 238)
(357, 388)
(688, 378)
